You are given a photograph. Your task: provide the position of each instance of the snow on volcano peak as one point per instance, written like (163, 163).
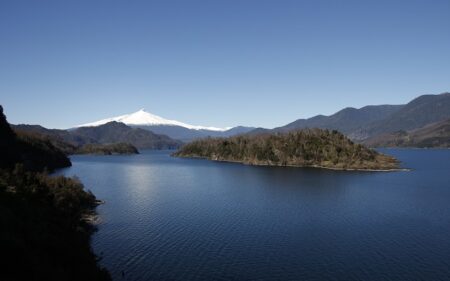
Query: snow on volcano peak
(144, 118)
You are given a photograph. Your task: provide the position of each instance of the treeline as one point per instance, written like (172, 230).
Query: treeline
(303, 148)
(113, 132)
(107, 149)
(34, 153)
(44, 234)
(69, 148)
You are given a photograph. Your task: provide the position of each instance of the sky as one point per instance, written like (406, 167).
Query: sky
(218, 62)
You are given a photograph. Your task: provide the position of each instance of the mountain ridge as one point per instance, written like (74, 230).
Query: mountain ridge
(345, 120)
(144, 118)
(359, 124)
(419, 112)
(367, 122)
(432, 135)
(113, 132)
(172, 128)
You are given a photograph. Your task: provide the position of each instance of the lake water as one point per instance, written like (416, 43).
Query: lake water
(183, 219)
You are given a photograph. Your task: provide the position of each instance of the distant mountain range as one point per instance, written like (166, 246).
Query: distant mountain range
(419, 112)
(112, 132)
(172, 128)
(375, 125)
(367, 123)
(432, 135)
(144, 118)
(346, 120)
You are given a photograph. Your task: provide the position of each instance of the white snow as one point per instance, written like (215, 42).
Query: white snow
(143, 118)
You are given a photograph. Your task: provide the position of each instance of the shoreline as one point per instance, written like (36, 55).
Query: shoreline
(91, 216)
(410, 147)
(298, 166)
(92, 219)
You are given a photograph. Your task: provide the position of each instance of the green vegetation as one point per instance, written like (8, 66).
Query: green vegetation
(107, 149)
(70, 147)
(34, 153)
(44, 233)
(116, 132)
(66, 147)
(304, 148)
(113, 132)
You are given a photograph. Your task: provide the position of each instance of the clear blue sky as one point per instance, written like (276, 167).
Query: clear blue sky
(217, 63)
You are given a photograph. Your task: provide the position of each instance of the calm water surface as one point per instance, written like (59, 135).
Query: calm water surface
(181, 219)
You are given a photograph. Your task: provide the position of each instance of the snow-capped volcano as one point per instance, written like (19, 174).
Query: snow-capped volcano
(144, 118)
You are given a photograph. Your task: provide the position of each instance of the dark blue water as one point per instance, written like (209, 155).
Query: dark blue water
(180, 219)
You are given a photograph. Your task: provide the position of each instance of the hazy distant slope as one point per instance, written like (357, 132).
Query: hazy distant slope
(432, 135)
(237, 131)
(347, 120)
(375, 120)
(176, 132)
(419, 112)
(186, 135)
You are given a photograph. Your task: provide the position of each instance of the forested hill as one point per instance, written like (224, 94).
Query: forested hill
(109, 133)
(108, 149)
(303, 148)
(35, 154)
(44, 234)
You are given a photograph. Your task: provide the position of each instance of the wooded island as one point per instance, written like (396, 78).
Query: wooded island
(302, 148)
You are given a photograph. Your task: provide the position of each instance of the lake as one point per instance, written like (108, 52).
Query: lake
(169, 218)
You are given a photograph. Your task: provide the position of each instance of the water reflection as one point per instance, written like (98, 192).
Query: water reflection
(182, 219)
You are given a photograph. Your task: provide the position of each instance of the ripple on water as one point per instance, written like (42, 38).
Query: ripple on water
(181, 219)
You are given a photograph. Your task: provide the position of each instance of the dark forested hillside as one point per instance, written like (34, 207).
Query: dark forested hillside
(72, 143)
(113, 132)
(66, 141)
(59, 143)
(34, 153)
(304, 148)
(43, 230)
(107, 149)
